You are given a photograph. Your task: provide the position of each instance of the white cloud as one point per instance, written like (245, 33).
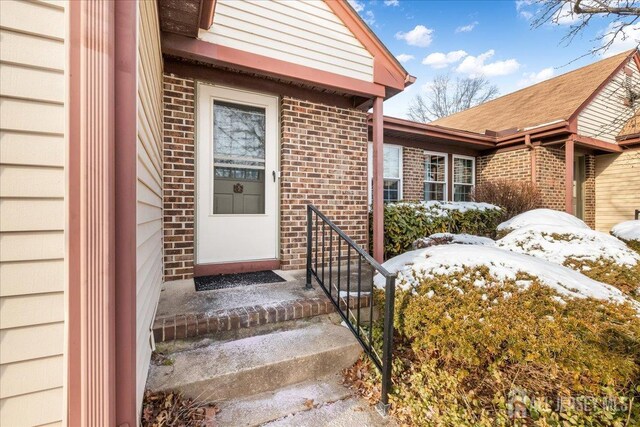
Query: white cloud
(478, 66)
(358, 6)
(529, 79)
(627, 39)
(467, 28)
(521, 8)
(442, 60)
(404, 57)
(420, 36)
(391, 2)
(369, 18)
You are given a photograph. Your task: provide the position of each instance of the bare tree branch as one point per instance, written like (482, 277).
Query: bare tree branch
(623, 15)
(447, 96)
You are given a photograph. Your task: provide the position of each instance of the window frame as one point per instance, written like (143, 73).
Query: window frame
(446, 174)
(453, 175)
(400, 171)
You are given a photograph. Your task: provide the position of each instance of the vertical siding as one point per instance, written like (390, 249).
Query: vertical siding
(149, 208)
(302, 32)
(617, 188)
(32, 212)
(605, 116)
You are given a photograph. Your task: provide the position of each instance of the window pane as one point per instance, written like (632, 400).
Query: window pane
(462, 193)
(434, 191)
(391, 162)
(434, 168)
(238, 159)
(391, 193)
(238, 131)
(463, 171)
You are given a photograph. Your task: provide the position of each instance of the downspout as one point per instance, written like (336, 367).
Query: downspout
(532, 156)
(378, 193)
(568, 178)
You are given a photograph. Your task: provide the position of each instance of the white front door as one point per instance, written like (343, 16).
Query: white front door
(236, 176)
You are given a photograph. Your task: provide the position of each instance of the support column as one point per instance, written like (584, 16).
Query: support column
(569, 149)
(378, 179)
(126, 180)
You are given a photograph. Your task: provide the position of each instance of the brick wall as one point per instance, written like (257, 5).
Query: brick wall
(412, 173)
(511, 165)
(590, 190)
(179, 174)
(550, 173)
(324, 162)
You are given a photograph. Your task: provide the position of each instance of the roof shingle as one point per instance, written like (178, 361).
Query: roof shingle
(554, 99)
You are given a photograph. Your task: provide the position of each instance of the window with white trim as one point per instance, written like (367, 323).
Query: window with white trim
(464, 173)
(435, 176)
(392, 173)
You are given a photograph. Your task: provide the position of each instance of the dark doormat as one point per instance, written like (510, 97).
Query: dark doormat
(224, 281)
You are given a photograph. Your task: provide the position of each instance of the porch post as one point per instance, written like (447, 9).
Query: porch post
(568, 174)
(377, 193)
(125, 159)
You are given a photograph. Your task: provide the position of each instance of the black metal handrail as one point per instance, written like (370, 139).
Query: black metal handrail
(333, 288)
(637, 213)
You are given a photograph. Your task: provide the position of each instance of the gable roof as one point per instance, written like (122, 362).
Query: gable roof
(181, 20)
(553, 100)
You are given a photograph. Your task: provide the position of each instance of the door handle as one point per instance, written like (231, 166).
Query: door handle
(274, 176)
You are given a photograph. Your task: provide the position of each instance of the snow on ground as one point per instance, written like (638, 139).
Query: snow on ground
(442, 209)
(464, 239)
(627, 230)
(503, 264)
(556, 243)
(448, 238)
(542, 217)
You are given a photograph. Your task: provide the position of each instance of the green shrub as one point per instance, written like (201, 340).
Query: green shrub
(466, 354)
(624, 277)
(406, 222)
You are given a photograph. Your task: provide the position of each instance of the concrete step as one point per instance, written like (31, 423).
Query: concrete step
(285, 402)
(239, 368)
(350, 412)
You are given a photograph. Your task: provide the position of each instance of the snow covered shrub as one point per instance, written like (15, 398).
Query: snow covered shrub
(405, 222)
(467, 348)
(477, 325)
(597, 255)
(629, 232)
(540, 217)
(513, 196)
(447, 238)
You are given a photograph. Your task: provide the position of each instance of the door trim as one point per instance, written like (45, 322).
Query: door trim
(240, 266)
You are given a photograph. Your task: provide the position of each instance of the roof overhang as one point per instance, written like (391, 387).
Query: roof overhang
(558, 132)
(181, 20)
(223, 56)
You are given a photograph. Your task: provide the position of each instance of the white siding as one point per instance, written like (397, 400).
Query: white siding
(617, 188)
(302, 32)
(605, 116)
(32, 212)
(149, 207)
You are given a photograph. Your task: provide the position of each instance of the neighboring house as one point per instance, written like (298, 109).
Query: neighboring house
(110, 184)
(577, 136)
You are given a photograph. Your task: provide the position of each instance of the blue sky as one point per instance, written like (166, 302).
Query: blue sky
(467, 38)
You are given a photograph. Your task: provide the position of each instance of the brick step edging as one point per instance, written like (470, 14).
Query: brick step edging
(193, 325)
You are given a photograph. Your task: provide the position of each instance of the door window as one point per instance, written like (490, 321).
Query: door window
(238, 159)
